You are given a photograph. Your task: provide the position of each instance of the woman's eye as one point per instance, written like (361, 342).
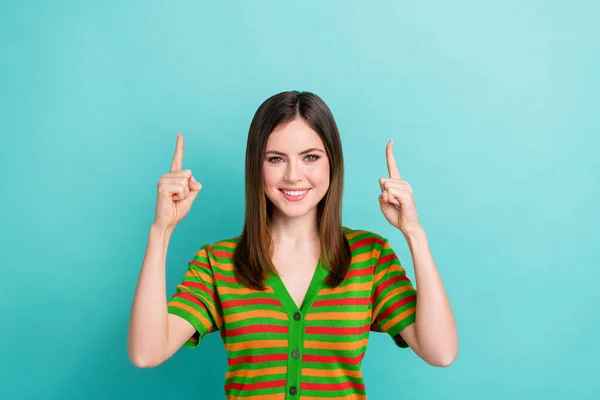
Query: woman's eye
(310, 157)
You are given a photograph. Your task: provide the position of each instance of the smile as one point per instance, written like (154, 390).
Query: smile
(294, 195)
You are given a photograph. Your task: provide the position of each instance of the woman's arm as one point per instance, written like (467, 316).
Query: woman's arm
(433, 336)
(154, 335)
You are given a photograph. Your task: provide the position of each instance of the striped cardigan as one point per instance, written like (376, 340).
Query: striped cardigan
(279, 351)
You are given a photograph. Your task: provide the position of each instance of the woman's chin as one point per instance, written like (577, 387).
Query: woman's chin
(293, 210)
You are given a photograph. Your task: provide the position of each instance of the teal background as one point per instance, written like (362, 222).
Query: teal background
(492, 106)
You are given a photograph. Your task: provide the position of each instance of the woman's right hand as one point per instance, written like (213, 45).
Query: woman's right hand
(177, 190)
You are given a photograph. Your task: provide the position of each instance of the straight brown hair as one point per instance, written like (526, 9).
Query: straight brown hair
(254, 250)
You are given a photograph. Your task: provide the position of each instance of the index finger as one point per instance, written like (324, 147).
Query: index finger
(391, 161)
(178, 157)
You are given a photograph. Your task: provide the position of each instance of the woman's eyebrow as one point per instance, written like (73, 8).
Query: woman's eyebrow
(302, 152)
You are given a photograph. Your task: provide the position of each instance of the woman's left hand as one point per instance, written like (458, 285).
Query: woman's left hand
(397, 199)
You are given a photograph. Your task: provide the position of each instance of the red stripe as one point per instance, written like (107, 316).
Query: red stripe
(254, 386)
(200, 264)
(257, 329)
(361, 272)
(222, 254)
(386, 259)
(393, 280)
(199, 285)
(365, 242)
(241, 303)
(388, 311)
(356, 301)
(257, 359)
(190, 297)
(326, 330)
(331, 386)
(330, 359)
(225, 278)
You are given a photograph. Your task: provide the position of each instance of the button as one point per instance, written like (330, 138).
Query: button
(297, 316)
(295, 353)
(293, 390)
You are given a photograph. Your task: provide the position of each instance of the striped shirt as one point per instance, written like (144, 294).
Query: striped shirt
(276, 350)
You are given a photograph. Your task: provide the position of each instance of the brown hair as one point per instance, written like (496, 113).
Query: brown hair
(252, 257)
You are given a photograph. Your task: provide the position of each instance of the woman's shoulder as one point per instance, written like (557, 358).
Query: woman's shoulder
(224, 246)
(355, 235)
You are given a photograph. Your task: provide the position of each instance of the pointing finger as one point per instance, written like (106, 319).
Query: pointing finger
(178, 157)
(391, 161)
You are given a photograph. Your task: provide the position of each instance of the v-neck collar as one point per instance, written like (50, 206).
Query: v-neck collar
(286, 299)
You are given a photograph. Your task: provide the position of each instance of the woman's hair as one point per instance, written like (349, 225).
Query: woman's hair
(253, 253)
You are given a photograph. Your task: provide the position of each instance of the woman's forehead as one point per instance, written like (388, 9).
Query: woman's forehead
(295, 136)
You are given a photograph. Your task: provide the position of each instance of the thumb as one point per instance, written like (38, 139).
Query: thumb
(195, 187)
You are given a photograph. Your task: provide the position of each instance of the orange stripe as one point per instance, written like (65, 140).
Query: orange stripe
(351, 235)
(198, 272)
(192, 311)
(209, 304)
(311, 344)
(249, 373)
(201, 253)
(398, 318)
(280, 396)
(255, 344)
(255, 314)
(242, 290)
(363, 257)
(391, 268)
(331, 373)
(347, 288)
(353, 316)
(224, 244)
(222, 266)
(349, 397)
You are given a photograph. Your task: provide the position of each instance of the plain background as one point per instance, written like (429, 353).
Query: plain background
(492, 106)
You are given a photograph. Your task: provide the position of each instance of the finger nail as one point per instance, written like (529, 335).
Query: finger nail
(194, 179)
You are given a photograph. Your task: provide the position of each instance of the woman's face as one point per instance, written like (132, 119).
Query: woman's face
(295, 168)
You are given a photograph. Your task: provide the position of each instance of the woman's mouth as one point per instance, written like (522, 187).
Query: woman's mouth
(294, 195)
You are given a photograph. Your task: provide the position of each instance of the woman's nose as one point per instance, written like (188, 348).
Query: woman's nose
(292, 172)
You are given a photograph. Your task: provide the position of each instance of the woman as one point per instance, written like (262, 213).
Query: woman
(295, 296)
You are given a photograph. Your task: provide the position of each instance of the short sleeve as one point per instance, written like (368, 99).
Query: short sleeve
(196, 299)
(394, 298)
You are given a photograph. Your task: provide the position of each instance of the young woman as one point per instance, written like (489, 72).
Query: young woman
(296, 295)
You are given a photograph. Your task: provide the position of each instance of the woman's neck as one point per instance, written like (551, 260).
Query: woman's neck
(294, 230)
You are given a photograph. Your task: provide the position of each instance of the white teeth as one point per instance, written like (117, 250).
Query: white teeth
(295, 193)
